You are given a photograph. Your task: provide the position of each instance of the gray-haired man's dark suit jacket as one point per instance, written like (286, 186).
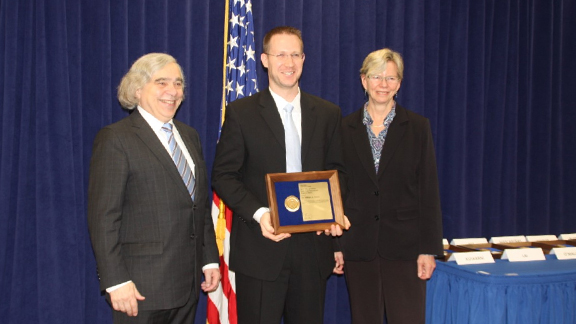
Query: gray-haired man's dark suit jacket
(143, 225)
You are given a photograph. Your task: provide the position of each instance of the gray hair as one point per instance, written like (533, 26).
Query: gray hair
(140, 74)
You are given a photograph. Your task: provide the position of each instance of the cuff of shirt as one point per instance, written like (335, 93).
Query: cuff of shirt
(111, 289)
(210, 266)
(258, 214)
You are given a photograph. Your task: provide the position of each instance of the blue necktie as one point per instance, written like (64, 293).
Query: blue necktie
(180, 160)
(293, 155)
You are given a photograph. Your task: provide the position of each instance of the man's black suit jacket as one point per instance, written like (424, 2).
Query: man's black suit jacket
(252, 145)
(395, 213)
(143, 225)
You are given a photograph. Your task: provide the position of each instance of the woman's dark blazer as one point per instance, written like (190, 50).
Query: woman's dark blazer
(397, 211)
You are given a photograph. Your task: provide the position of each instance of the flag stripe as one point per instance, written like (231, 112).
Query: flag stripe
(212, 313)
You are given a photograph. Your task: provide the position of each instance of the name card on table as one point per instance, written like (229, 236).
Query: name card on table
(471, 257)
(564, 253)
(571, 236)
(528, 254)
(464, 241)
(541, 238)
(508, 239)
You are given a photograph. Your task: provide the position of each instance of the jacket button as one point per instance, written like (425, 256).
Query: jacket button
(376, 217)
(376, 193)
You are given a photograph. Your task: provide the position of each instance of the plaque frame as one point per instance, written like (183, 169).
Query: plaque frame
(334, 192)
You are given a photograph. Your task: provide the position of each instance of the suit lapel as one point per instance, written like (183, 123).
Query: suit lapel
(362, 144)
(271, 116)
(308, 123)
(149, 138)
(393, 138)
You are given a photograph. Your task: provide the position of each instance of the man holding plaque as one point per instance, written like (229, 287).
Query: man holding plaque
(278, 130)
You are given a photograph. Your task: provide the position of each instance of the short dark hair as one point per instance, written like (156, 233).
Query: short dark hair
(281, 30)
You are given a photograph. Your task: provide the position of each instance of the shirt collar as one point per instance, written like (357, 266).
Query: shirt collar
(151, 120)
(367, 119)
(281, 102)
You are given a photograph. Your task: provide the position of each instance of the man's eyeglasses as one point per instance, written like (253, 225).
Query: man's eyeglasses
(283, 56)
(387, 79)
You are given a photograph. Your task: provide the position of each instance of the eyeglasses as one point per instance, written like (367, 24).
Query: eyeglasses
(387, 79)
(283, 56)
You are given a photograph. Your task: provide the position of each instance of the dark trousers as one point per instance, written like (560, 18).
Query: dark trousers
(297, 294)
(385, 287)
(180, 315)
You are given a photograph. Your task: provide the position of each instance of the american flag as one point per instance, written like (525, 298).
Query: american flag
(241, 53)
(239, 80)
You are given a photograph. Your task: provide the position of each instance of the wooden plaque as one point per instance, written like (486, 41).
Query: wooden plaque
(304, 201)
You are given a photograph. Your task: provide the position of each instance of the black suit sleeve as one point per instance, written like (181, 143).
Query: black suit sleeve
(108, 176)
(431, 226)
(209, 247)
(334, 156)
(228, 166)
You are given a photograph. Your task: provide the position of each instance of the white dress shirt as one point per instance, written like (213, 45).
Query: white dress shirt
(297, 117)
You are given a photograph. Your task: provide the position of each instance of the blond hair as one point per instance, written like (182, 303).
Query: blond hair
(375, 62)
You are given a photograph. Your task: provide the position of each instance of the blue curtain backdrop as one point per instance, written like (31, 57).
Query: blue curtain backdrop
(496, 79)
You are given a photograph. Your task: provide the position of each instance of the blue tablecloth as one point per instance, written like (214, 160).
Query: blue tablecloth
(503, 292)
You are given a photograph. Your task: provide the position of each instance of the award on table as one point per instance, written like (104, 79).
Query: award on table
(304, 201)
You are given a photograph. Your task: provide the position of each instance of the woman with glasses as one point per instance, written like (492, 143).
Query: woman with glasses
(392, 198)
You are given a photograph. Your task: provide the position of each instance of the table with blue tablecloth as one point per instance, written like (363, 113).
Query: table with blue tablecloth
(503, 292)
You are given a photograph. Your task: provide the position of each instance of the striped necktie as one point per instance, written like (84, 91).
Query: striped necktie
(180, 160)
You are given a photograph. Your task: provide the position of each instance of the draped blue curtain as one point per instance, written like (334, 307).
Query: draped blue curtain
(495, 78)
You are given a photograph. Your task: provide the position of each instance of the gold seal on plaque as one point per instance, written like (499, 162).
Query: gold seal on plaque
(292, 203)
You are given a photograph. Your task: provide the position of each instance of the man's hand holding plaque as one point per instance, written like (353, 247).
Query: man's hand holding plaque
(268, 229)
